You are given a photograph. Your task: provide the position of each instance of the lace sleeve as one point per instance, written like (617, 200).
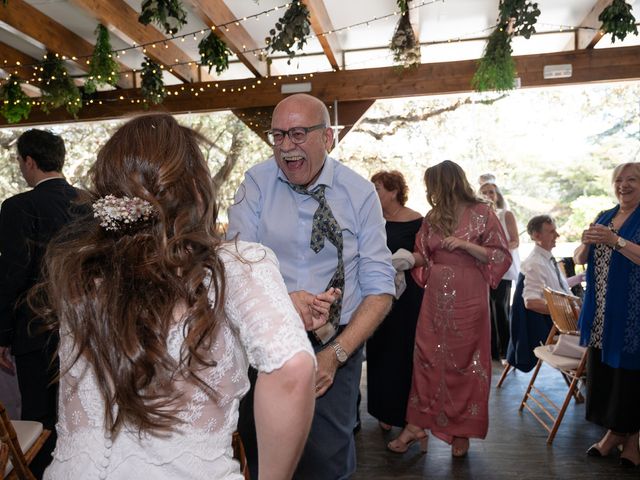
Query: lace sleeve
(259, 308)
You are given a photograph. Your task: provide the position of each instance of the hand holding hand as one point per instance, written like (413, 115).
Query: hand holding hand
(599, 234)
(451, 243)
(314, 309)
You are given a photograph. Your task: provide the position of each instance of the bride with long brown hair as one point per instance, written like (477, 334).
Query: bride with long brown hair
(159, 318)
(460, 251)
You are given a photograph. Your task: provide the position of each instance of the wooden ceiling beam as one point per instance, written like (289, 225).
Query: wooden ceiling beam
(350, 113)
(588, 33)
(589, 66)
(21, 63)
(122, 17)
(236, 37)
(56, 38)
(323, 28)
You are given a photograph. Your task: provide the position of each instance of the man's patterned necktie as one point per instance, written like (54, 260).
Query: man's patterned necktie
(326, 225)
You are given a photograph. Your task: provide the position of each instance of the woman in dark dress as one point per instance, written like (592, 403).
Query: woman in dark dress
(610, 319)
(390, 348)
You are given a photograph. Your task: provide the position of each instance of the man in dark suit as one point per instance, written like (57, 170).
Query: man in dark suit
(27, 222)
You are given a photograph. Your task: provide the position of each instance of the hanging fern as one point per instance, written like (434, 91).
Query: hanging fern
(168, 14)
(152, 86)
(292, 27)
(104, 69)
(15, 105)
(214, 52)
(58, 89)
(496, 69)
(618, 20)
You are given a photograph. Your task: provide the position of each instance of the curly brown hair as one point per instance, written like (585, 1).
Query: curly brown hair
(118, 293)
(393, 181)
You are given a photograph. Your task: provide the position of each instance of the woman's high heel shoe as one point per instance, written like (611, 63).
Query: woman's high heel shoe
(606, 445)
(459, 446)
(408, 437)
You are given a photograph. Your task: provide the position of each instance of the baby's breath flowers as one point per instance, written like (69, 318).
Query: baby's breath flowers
(116, 213)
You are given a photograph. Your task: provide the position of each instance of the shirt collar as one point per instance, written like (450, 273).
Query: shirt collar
(46, 180)
(541, 251)
(325, 177)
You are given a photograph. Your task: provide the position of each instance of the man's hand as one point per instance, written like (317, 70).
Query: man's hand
(6, 363)
(326, 371)
(314, 309)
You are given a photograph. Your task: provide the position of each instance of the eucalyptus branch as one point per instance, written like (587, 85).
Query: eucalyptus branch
(618, 20)
(292, 27)
(168, 14)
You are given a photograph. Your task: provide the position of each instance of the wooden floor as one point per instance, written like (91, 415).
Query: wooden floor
(515, 447)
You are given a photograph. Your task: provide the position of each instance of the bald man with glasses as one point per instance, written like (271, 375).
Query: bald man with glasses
(324, 223)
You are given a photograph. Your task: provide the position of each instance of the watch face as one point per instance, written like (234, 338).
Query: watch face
(340, 353)
(621, 243)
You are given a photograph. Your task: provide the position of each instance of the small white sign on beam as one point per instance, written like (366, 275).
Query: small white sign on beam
(557, 71)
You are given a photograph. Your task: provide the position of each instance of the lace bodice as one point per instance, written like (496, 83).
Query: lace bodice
(261, 328)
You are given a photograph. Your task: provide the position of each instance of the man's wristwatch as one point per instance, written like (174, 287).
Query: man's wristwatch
(620, 243)
(341, 354)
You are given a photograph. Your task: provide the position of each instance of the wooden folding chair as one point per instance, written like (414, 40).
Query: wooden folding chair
(4, 456)
(564, 310)
(24, 440)
(240, 455)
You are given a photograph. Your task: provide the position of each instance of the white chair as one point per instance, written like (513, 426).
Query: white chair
(24, 440)
(563, 353)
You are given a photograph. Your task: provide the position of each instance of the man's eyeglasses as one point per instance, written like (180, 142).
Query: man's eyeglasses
(296, 134)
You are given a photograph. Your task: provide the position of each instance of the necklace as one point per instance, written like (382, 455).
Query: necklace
(393, 214)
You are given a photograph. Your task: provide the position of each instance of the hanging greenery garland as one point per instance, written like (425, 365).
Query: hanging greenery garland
(169, 14)
(292, 27)
(58, 89)
(16, 105)
(496, 69)
(404, 45)
(618, 20)
(152, 86)
(214, 52)
(104, 69)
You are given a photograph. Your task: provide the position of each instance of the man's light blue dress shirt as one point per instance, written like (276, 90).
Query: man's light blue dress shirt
(268, 211)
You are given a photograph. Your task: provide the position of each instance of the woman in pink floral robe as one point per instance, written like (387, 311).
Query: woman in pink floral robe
(460, 251)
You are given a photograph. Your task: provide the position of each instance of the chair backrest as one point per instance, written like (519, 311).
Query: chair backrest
(564, 310)
(9, 437)
(4, 456)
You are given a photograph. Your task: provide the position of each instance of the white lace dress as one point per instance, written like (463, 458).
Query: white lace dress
(261, 328)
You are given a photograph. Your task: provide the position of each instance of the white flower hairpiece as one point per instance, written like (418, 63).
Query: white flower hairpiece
(116, 213)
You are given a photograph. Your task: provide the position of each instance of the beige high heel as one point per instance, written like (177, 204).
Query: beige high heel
(408, 437)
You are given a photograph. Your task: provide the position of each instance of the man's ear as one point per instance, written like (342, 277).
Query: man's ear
(30, 163)
(328, 139)
(535, 236)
